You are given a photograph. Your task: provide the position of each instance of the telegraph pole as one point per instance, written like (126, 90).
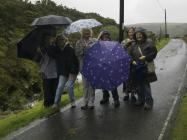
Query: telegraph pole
(165, 24)
(121, 20)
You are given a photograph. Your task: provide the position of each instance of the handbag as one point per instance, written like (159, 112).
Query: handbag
(150, 65)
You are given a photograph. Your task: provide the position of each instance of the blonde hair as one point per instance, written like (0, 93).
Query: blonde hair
(84, 30)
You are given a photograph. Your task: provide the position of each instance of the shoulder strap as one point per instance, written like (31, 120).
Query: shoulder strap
(140, 50)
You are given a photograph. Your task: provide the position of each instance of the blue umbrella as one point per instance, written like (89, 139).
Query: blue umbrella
(106, 65)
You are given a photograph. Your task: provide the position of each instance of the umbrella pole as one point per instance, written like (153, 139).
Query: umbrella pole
(121, 20)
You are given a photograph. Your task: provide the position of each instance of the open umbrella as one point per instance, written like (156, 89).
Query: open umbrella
(51, 20)
(80, 24)
(27, 47)
(106, 65)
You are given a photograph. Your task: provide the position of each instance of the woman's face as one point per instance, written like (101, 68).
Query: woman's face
(106, 37)
(130, 33)
(86, 34)
(49, 40)
(139, 36)
(60, 41)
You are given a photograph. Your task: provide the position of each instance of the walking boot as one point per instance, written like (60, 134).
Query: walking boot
(104, 101)
(148, 104)
(73, 105)
(133, 98)
(126, 98)
(139, 103)
(84, 107)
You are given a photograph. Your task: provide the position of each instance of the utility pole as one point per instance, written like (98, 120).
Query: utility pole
(160, 33)
(165, 24)
(121, 20)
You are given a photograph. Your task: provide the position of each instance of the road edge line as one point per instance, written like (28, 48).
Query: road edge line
(177, 97)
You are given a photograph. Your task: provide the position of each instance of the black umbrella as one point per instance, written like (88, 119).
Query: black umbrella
(51, 20)
(27, 47)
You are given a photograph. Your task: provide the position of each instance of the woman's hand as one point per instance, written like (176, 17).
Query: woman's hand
(142, 58)
(134, 63)
(52, 41)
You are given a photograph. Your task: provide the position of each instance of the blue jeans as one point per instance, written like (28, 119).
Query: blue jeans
(70, 85)
(60, 88)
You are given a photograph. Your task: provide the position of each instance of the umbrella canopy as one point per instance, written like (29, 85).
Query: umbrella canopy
(27, 47)
(78, 25)
(106, 65)
(51, 20)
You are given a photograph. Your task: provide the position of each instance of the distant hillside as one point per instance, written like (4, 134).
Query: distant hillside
(174, 29)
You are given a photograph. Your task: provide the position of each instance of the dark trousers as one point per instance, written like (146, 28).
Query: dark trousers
(124, 87)
(49, 88)
(144, 93)
(114, 94)
(130, 85)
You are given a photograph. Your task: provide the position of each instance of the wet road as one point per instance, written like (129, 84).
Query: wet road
(125, 123)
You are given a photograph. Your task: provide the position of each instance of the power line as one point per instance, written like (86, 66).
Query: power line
(160, 5)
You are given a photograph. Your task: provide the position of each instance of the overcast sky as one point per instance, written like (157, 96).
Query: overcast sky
(136, 11)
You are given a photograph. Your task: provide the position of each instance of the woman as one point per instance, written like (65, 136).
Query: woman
(81, 47)
(130, 85)
(48, 67)
(105, 36)
(66, 66)
(74, 70)
(143, 51)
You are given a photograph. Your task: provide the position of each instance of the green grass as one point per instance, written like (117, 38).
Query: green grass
(23, 118)
(185, 39)
(162, 43)
(180, 129)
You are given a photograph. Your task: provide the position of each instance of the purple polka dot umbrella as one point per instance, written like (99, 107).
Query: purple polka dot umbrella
(106, 65)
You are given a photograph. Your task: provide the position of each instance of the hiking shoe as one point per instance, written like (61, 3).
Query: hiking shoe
(104, 101)
(133, 98)
(84, 107)
(56, 108)
(73, 105)
(126, 98)
(139, 103)
(116, 103)
(91, 107)
(148, 106)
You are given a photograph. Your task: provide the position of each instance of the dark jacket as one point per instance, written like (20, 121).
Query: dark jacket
(149, 51)
(66, 60)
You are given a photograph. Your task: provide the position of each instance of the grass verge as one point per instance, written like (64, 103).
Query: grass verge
(185, 39)
(180, 129)
(162, 43)
(15, 121)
